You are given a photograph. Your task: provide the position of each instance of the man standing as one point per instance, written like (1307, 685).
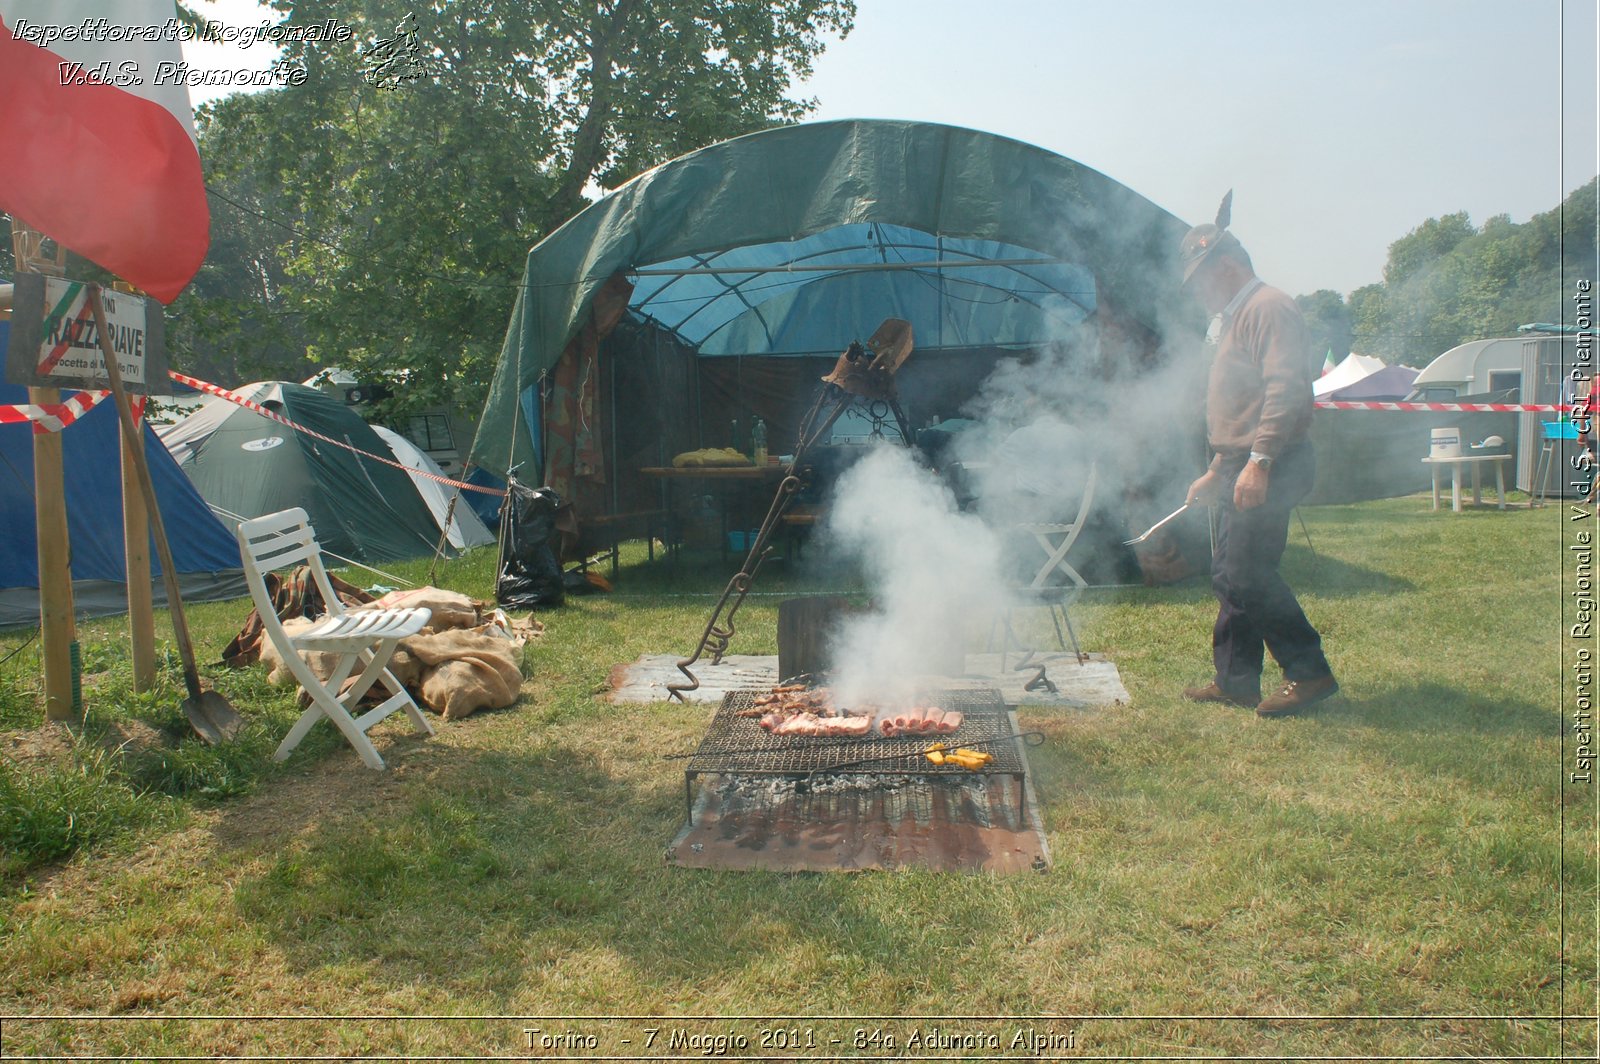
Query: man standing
(1258, 420)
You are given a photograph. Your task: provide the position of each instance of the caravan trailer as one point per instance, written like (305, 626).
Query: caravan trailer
(432, 431)
(1478, 367)
(1532, 368)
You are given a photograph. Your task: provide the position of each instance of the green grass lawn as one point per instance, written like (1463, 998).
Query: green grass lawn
(1369, 879)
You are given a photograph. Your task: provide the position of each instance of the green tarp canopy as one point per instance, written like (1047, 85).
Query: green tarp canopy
(796, 240)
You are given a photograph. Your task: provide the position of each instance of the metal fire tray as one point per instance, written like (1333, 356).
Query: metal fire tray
(738, 746)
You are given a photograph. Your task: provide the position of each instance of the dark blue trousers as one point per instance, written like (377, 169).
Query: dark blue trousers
(1256, 608)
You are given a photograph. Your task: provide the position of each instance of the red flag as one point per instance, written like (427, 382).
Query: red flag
(97, 146)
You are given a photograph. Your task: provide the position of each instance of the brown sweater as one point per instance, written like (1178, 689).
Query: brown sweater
(1259, 395)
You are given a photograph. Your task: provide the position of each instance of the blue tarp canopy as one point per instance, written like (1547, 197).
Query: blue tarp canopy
(805, 296)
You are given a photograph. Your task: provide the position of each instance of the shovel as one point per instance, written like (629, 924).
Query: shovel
(212, 718)
(1158, 526)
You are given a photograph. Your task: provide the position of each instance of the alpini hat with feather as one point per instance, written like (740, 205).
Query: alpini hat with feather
(1203, 241)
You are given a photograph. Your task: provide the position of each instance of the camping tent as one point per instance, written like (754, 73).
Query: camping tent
(1387, 384)
(466, 528)
(246, 465)
(718, 287)
(203, 550)
(1352, 369)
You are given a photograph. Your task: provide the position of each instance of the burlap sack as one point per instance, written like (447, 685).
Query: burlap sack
(451, 609)
(454, 672)
(406, 669)
(278, 673)
(465, 671)
(296, 595)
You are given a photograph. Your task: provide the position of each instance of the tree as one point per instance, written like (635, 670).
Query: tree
(400, 217)
(1425, 245)
(1369, 321)
(1329, 320)
(1446, 282)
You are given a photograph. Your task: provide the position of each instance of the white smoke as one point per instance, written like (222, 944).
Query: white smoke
(1107, 393)
(930, 568)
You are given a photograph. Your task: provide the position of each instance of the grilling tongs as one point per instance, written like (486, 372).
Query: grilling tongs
(1158, 526)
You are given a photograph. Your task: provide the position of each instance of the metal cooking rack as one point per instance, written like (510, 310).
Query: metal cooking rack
(738, 746)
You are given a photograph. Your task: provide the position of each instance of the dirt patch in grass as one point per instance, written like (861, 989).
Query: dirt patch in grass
(50, 742)
(135, 737)
(55, 740)
(336, 785)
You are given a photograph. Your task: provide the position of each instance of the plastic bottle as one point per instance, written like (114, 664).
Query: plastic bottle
(758, 442)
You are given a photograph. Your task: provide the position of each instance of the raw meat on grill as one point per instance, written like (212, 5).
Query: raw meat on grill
(796, 710)
(812, 725)
(920, 720)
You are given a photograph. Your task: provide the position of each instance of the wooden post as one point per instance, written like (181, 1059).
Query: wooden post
(57, 627)
(136, 558)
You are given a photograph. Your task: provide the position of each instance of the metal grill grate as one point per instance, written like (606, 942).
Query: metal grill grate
(740, 746)
(882, 772)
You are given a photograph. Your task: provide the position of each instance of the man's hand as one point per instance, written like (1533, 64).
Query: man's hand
(1250, 490)
(1206, 490)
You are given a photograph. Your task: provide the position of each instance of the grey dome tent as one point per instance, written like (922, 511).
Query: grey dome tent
(247, 466)
(721, 285)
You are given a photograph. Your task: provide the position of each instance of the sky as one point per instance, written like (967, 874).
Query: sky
(1339, 126)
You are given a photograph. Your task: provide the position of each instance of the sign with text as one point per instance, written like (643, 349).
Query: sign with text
(54, 343)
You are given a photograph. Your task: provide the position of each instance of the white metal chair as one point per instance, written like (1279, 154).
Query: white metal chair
(1041, 591)
(364, 637)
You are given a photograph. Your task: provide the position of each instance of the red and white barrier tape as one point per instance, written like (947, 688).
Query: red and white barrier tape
(1451, 408)
(239, 400)
(51, 417)
(57, 416)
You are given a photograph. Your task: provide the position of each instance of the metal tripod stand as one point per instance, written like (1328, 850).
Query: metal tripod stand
(862, 373)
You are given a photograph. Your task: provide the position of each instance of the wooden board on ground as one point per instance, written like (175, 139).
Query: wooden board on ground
(1095, 682)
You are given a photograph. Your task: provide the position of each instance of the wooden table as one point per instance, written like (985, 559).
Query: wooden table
(1474, 460)
(769, 471)
(736, 486)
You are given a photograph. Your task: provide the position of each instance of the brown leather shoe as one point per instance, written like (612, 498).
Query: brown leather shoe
(1212, 693)
(1296, 695)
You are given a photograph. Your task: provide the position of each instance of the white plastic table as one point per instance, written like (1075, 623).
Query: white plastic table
(1474, 460)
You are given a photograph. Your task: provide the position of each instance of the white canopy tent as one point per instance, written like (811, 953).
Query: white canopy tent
(1354, 368)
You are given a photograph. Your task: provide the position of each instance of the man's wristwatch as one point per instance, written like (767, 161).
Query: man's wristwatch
(1262, 460)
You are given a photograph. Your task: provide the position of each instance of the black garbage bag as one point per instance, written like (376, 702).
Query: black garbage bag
(530, 569)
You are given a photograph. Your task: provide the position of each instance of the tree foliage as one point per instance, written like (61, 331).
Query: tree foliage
(1329, 320)
(1447, 282)
(385, 228)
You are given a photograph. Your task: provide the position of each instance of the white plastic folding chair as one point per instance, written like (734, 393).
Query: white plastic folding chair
(363, 637)
(1055, 540)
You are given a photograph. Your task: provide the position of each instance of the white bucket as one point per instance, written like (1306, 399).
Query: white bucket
(1446, 443)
